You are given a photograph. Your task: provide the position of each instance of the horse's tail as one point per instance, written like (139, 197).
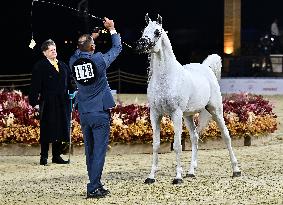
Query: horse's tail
(214, 62)
(204, 118)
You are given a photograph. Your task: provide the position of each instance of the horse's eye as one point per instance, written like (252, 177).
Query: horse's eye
(157, 33)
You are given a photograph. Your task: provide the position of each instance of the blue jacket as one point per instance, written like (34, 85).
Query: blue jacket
(97, 96)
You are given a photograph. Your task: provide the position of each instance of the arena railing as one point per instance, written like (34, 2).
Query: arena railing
(23, 81)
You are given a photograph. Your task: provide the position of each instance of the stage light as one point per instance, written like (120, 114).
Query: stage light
(228, 47)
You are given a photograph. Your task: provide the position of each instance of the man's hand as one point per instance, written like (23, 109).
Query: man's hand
(95, 35)
(96, 32)
(109, 24)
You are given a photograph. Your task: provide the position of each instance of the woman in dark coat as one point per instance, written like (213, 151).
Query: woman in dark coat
(49, 89)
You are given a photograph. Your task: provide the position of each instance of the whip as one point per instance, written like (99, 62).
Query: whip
(33, 43)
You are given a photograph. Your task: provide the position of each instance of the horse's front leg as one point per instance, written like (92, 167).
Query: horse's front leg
(177, 121)
(155, 119)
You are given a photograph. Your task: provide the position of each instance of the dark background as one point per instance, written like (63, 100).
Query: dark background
(195, 29)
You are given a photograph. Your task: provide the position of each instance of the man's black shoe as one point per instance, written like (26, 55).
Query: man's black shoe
(59, 160)
(105, 191)
(97, 193)
(43, 161)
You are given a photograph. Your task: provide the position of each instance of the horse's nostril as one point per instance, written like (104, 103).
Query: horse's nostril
(143, 45)
(140, 43)
(144, 40)
(138, 46)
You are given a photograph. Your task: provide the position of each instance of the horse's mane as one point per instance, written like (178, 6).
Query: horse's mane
(166, 49)
(166, 42)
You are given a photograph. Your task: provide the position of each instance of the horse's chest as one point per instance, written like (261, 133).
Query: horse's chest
(164, 102)
(164, 93)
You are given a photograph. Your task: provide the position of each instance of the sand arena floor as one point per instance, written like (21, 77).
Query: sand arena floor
(24, 181)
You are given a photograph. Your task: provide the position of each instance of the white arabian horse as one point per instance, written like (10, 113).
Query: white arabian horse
(181, 91)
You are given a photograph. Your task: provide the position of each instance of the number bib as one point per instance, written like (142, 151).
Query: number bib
(84, 71)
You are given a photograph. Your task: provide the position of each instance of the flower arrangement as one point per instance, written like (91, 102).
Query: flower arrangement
(244, 114)
(18, 120)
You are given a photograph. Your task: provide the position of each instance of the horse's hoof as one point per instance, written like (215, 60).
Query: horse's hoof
(177, 181)
(236, 174)
(149, 181)
(191, 175)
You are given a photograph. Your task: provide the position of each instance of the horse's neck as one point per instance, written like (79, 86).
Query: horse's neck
(162, 62)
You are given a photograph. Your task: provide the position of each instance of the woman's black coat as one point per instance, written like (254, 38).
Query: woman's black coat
(49, 90)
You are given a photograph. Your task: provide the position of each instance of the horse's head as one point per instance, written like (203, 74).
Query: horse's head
(150, 40)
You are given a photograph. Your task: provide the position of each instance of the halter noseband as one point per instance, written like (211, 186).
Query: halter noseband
(144, 44)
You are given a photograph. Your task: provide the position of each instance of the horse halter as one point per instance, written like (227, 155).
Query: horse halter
(145, 44)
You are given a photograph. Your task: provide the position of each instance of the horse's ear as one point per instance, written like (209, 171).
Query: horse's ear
(147, 19)
(159, 19)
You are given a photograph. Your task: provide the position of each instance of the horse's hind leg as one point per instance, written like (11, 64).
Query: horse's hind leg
(217, 115)
(155, 119)
(177, 118)
(189, 122)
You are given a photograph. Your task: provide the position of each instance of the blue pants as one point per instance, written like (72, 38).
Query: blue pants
(96, 130)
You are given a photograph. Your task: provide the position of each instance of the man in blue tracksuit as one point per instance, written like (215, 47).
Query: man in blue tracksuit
(94, 101)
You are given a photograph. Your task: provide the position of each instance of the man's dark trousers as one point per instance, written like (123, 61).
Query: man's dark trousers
(96, 130)
(56, 149)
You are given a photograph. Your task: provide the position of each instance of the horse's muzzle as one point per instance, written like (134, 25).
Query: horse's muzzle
(143, 45)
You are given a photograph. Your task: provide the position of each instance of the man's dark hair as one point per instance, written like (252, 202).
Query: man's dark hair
(84, 42)
(46, 44)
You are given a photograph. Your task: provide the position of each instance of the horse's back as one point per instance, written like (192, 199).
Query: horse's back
(205, 83)
(201, 73)
(198, 69)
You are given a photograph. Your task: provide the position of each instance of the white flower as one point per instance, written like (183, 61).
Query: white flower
(142, 119)
(10, 119)
(18, 92)
(251, 117)
(117, 120)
